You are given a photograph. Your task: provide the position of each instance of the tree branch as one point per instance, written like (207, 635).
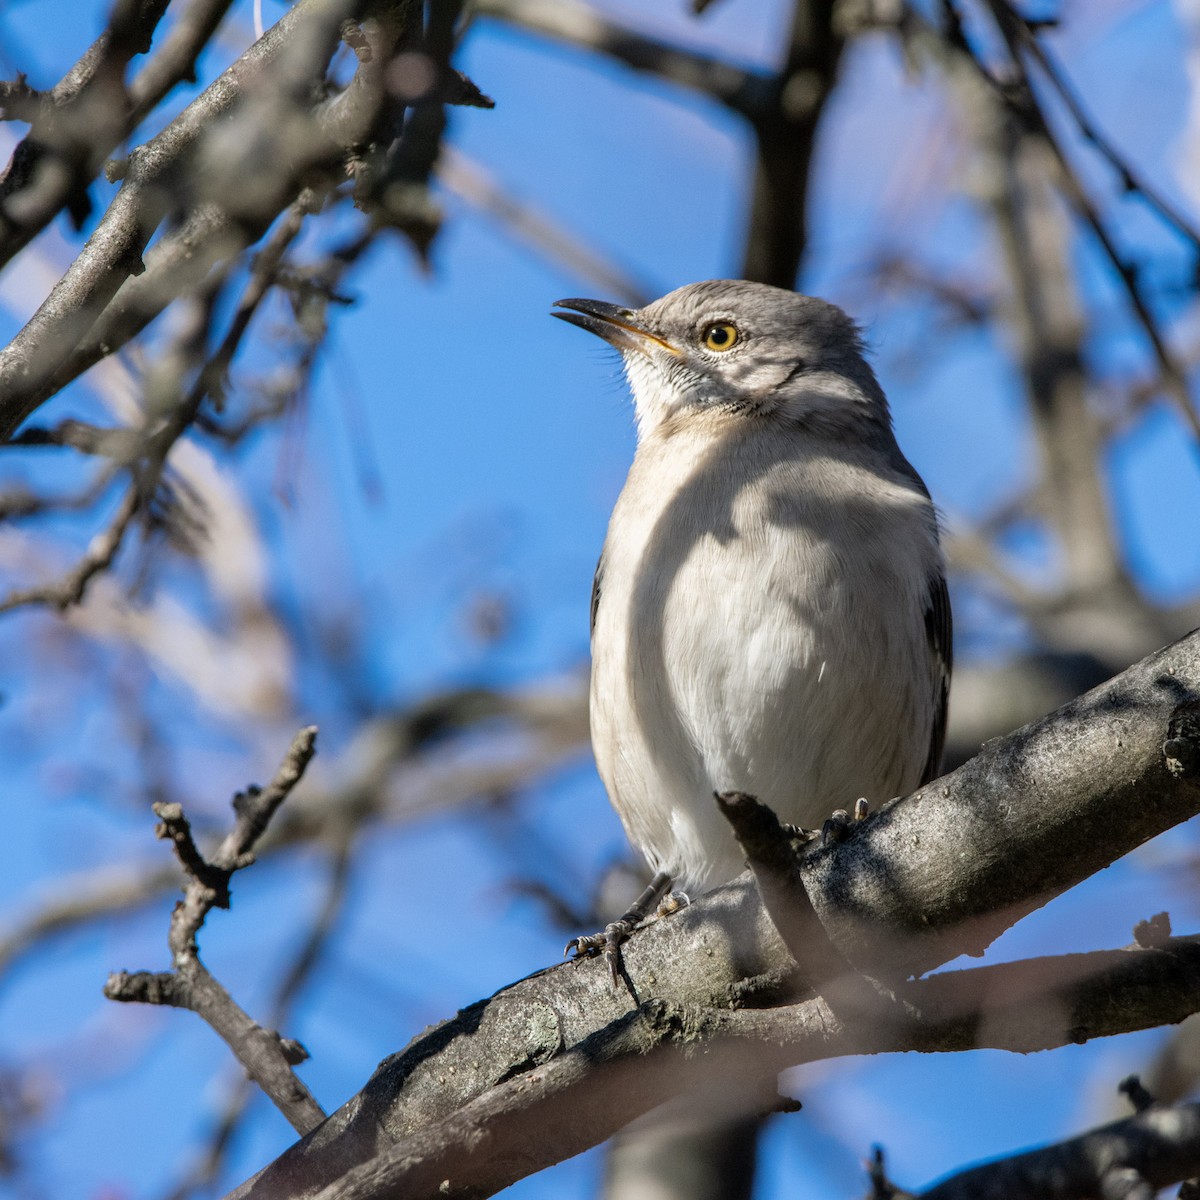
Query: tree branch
(267, 1057)
(109, 294)
(548, 1111)
(577, 24)
(1024, 102)
(99, 556)
(555, 1062)
(1151, 1150)
(786, 131)
(74, 127)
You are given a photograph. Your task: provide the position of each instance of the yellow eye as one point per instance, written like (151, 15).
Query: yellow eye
(720, 336)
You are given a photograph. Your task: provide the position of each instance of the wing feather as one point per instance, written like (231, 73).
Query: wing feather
(940, 632)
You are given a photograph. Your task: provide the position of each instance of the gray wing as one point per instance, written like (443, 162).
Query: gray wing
(596, 593)
(940, 632)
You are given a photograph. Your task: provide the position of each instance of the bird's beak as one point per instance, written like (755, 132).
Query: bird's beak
(614, 324)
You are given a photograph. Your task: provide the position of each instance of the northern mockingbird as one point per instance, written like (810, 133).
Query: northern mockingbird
(769, 613)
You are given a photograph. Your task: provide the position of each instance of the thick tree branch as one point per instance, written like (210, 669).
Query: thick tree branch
(550, 1061)
(545, 1113)
(1064, 797)
(786, 131)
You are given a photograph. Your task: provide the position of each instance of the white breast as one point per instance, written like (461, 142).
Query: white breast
(757, 630)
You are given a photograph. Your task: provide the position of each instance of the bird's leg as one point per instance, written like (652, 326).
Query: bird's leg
(617, 932)
(840, 821)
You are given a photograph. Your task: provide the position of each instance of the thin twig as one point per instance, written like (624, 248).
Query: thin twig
(1027, 107)
(304, 962)
(99, 557)
(539, 230)
(1131, 181)
(743, 91)
(267, 1057)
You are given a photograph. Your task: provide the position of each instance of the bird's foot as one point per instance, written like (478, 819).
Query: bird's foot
(840, 822)
(609, 942)
(798, 833)
(616, 933)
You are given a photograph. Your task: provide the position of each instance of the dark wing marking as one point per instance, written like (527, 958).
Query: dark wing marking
(596, 593)
(939, 630)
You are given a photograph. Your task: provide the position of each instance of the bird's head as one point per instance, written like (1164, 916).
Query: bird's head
(740, 348)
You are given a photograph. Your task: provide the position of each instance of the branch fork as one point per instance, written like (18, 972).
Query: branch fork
(267, 1056)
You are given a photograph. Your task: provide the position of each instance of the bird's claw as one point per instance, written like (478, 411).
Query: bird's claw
(615, 934)
(839, 823)
(584, 947)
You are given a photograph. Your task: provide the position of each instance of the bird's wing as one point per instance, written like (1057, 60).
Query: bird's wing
(940, 632)
(596, 593)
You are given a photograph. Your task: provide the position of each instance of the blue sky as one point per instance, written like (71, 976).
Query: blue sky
(499, 439)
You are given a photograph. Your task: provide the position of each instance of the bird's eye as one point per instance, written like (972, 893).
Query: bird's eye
(720, 336)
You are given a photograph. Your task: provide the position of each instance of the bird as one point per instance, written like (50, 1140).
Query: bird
(769, 613)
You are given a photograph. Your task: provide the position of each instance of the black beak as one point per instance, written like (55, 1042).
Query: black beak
(613, 323)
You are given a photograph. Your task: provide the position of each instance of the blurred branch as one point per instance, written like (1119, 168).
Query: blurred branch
(539, 230)
(270, 132)
(1049, 332)
(577, 24)
(74, 127)
(1020, 95)
(1130, 180)
(786, 130)
(267, 1057)
(170, 405)
(783, 110)
(100, 554)
(82, 900)
(175, 61)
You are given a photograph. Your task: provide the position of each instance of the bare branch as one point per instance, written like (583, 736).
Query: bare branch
(774, 857)
(786, 132)
(578, 24)
(268, 1059)
(1153, 1149)
(1025, 103)
(175, 60)
(78, 323)
(1130, 180)
(561, 1102)
(304, 962)
(75, 126)
(100, 554)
